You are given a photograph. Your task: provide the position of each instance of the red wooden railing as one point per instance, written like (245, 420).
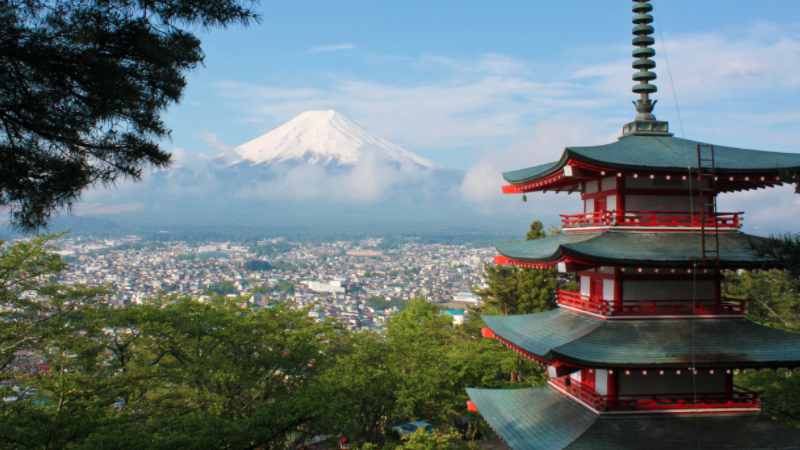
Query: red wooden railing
(595, 305)
(652, 219)
(738, 398)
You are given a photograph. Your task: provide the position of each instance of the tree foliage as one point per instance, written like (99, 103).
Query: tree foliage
(176, 372)
(515, 290)
(772, 300)
(255, 265)
(772, 297)
(83, 84)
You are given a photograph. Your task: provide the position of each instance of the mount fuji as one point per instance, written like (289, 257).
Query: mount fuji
(319, 164)
(323, 138)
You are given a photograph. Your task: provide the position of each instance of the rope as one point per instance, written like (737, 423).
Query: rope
(691, 210)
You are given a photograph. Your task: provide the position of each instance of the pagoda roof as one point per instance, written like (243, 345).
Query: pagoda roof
(542, 418)
(622, 248)
(661, 154)
(579, 340)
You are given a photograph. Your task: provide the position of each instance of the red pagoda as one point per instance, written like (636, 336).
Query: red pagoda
(643, 355)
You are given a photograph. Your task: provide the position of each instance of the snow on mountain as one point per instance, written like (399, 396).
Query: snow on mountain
(321, 138)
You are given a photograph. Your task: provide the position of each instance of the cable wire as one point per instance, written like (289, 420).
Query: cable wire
(691, 211)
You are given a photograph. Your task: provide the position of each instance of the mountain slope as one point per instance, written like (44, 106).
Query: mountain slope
(321, 138)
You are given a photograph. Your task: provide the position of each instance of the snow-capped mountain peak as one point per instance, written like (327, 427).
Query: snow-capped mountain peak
(321, 138)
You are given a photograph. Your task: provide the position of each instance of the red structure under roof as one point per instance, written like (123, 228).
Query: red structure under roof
(648, 336)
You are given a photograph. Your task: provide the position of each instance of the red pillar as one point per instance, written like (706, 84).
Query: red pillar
(617, 290)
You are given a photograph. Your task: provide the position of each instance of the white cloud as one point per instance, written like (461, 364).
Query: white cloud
(332, 48)
(499, 98)
(209, 187)
(711, 66)
(488, 99)
(519, 113)
(768, 211)
(228, 154)
(483, 182)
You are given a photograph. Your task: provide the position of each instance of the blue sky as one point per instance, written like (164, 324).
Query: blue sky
(455, 81)
(492, 86)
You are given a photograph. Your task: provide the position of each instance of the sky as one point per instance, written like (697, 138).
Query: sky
(491, 86)
(455, 81)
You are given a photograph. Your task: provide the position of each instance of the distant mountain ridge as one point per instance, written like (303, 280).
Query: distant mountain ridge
(318, 165)
(322, 138)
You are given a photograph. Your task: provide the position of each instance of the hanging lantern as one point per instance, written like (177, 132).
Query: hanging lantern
(524, 198)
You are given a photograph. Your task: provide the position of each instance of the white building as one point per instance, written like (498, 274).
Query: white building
(335, 287)
(468, 298)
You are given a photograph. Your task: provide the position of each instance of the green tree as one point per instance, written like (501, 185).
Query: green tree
(226, 377)
(772, 300)
(224, 288)
(83, 84)
(772, 297)
(50, 347)
(536, 231)
(514, 290)
(419, 338)
(360, 388)
(254, 265)
(171, 373)
(421, 440)
(785, 250)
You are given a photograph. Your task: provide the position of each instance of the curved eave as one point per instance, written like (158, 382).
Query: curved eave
(541, 418)
(739, 169)
(582, 341)
(632, 249)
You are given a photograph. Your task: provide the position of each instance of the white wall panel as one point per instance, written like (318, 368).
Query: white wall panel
(585, 286)
(611, 203)
(601, 381)
(608, 289)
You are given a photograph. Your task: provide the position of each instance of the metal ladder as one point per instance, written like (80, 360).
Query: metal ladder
(708, 202)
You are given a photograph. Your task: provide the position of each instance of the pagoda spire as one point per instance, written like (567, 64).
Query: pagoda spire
(643, 63)
(645, 122)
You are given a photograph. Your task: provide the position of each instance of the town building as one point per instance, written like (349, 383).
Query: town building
(643, 355)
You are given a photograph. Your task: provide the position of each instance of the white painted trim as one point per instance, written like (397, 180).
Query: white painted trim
(643, 229)
(645, 318)
(580, 311)
(685, 411)
(658, 411)
(581, 402)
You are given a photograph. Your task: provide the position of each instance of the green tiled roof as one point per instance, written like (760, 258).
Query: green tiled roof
(542, 332)
(572, 338)
(635, 248)
(543, 419)
(658, 153)
(534, 418)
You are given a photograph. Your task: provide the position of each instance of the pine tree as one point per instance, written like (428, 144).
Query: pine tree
(515, 290)
(83, 84)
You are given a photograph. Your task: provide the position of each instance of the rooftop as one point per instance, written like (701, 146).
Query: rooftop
(631, 249)
(571, 338)
(662, 154)
(541, 418)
